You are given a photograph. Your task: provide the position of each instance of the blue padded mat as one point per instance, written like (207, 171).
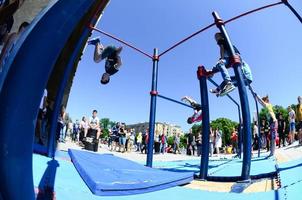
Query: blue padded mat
(222, 167)
(290, 173)
(108, 175)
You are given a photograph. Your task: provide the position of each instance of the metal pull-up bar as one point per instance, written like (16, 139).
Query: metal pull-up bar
(230, 20)
(173, 100)
(121, 41)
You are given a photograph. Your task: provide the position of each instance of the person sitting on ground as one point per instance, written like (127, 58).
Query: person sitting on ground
(264, 101)
(229, 83)
(111, 54)
(197, 116)
(94, 124)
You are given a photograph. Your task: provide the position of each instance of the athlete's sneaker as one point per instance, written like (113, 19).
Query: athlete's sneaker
(188, 100)
(214, 91)
(229, 87)
(94, 41)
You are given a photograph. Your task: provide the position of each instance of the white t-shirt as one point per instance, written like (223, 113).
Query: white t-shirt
(94, 120)
(42, 100)
(292, 116)
(84, 125)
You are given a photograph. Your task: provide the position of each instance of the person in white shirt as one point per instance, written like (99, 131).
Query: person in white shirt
(292, 124)
(94, 123)
(218, 140)
(84, 126)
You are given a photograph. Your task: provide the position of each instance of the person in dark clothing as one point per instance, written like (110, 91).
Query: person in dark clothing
(190, 143)
(281, 129)
(111, 54)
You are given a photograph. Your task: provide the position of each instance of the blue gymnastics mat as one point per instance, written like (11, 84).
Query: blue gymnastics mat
(108, 175)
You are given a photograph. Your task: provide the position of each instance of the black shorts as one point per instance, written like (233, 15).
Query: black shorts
(299, 125)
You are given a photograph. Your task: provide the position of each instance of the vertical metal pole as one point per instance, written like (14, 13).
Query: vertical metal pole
(204, 162)
(153, 94)
(239, 147)
(236, 63)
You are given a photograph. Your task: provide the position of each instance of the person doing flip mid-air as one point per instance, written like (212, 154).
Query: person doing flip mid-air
(196, 117)
(111, 54)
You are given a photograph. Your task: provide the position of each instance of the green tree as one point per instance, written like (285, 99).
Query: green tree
(170, 140)
(104, 122)
(183, 141)
(226, 126)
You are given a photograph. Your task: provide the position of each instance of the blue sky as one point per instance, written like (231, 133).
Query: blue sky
(270, 41)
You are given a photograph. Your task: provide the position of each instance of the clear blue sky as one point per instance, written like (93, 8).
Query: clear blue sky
(270, 41)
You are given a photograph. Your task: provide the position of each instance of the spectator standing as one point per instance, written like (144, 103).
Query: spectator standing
(234, 140)
(75, 131)
(299, 119)
(139, 139)
(62, 125)
(281, 130)
(131, 140)
(176, 142)
(157, 142)
(190, 143)
(218, 140)
(292, 124)
(198, 143)
(255, 136)
(163, 143)
(212, 139)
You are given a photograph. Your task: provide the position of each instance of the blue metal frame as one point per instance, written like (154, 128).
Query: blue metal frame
(173, 100)
(246, 165)
(60, 92)
(153, 93)
(204, 162)
(38, 53)
(258, 118)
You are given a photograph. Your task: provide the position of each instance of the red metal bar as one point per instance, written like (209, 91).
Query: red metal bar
(121, 41)
(187, 38)
(252, 11)
(209, 26)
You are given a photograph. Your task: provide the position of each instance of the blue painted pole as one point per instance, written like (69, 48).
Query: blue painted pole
(204, 162)
(175, 101)
(258, 118)
(60, 93)
(153, 94)
(236, 64)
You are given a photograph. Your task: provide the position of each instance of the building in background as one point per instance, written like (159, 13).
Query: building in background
(169, 129)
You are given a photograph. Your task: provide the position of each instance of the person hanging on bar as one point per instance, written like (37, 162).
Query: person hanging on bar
(111, 54)
(264, 101)
(229, 83)
(197, 116)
